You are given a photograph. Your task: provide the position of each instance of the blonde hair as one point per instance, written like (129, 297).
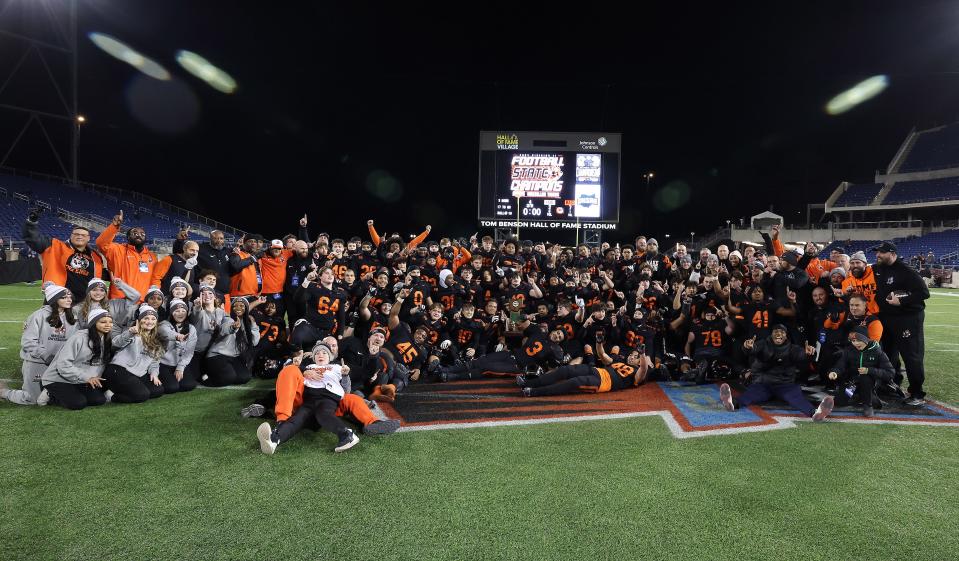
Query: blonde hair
(151, 340)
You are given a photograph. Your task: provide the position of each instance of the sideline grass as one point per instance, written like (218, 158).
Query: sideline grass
(182, 478)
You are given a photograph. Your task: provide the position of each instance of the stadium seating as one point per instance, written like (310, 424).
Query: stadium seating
(859, 195)
(946, 188)
(18, 194)
(939, 243)
(933, 149)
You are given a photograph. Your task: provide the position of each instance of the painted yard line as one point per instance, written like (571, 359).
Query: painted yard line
(234, 388)
(24, 299)
(945, 350)
(941, 325)
(12, 320)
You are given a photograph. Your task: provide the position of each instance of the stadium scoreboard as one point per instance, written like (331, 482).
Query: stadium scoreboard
(559, 180)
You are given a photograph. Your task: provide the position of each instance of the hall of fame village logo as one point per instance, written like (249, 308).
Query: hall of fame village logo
(507, 142)
(688, 411)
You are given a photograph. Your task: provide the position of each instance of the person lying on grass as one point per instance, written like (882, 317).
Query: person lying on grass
(615, 374)
(774, 363)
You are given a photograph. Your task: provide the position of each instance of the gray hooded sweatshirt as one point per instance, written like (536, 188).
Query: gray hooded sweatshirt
(75, 363)
(131, 355)
(121, 309)
(178, 353)
(40, 342)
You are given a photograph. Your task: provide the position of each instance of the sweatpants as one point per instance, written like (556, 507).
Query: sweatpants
(903, 336)
(288, 396)
(761, 393)
(318, 406)
(27, 395)
(75, 396)
(129, 388)
(225, 371)
(170, 383)
(564, 380)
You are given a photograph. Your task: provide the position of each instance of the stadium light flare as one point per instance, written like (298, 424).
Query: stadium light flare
(861, 92)
(81, 119)
(206, 71)
(121, 51)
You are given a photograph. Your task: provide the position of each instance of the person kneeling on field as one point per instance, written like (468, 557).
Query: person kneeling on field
(774, 363)
(322, 393)
(74, 379)
(861, 368)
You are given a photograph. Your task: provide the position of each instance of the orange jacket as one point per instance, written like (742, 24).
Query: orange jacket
(245, 282)
(460, 258)
(136, 269)
(409, 247)
(865, 286)
(273, 270)
(814, 269)
(55, 265)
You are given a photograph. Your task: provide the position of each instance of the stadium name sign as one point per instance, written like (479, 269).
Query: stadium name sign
(546, 225)
(688, 411)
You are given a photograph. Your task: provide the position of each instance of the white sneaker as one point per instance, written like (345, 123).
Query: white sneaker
(726, 397)
(347, 442)
(109, 395)
(263, 434)
(252, 410)
(824, 409)
(43, 398)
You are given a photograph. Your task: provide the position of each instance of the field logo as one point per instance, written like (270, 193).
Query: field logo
(688, 411)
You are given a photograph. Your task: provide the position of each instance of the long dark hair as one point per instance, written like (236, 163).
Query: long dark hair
(54, 318)
(101, 345)
(244, 336)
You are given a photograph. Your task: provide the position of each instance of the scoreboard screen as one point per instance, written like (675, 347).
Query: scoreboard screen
(557, 179)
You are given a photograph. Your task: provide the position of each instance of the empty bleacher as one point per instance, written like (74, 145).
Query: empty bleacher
(943, 245)
(858, 195)
(933, 149)
(65, 204)
(943, 189)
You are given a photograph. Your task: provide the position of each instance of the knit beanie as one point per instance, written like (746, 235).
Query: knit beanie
(52, 293)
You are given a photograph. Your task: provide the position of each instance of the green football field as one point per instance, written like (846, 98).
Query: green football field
(182, 477)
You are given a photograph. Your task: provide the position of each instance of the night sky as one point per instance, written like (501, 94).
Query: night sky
(725, 100)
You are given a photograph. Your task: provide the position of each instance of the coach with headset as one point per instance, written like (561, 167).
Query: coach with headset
(901, 295)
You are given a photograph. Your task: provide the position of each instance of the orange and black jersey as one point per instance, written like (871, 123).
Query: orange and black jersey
(419, 294)
(710, 335)
(707, 299)
(505, 261)
(404, 349)
(272, 328)
(588, 332)
(325, 307)
(567, 323)
(363, 264)
(537, 349)
(588, 294)
(450, 298)
(438, 331)
(466, 333)
(633, 334)
(621, 376)
(518, 293)
(487, 255)
(758, 317)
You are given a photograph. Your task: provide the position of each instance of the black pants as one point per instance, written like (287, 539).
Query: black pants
(293, 311)
(170, 383)
(864, 394)
(225, 371)
(500, 363)
(129, 388)
(318, 406)
(306, 335)
(564, 380)
(902, 336)
(75, 396)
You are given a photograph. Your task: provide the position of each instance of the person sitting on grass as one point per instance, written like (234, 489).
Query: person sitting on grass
(44, 333)
(774, 362)
(322, 393)
(288, 396)
(74, 379)
(862, 367)
(133, 375)
(179, 339)
(121, 309)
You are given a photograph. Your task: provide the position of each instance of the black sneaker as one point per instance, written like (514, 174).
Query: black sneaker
(868, 411)
(521, 381)
(527, 392)
(384, 426)
(347, 441)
